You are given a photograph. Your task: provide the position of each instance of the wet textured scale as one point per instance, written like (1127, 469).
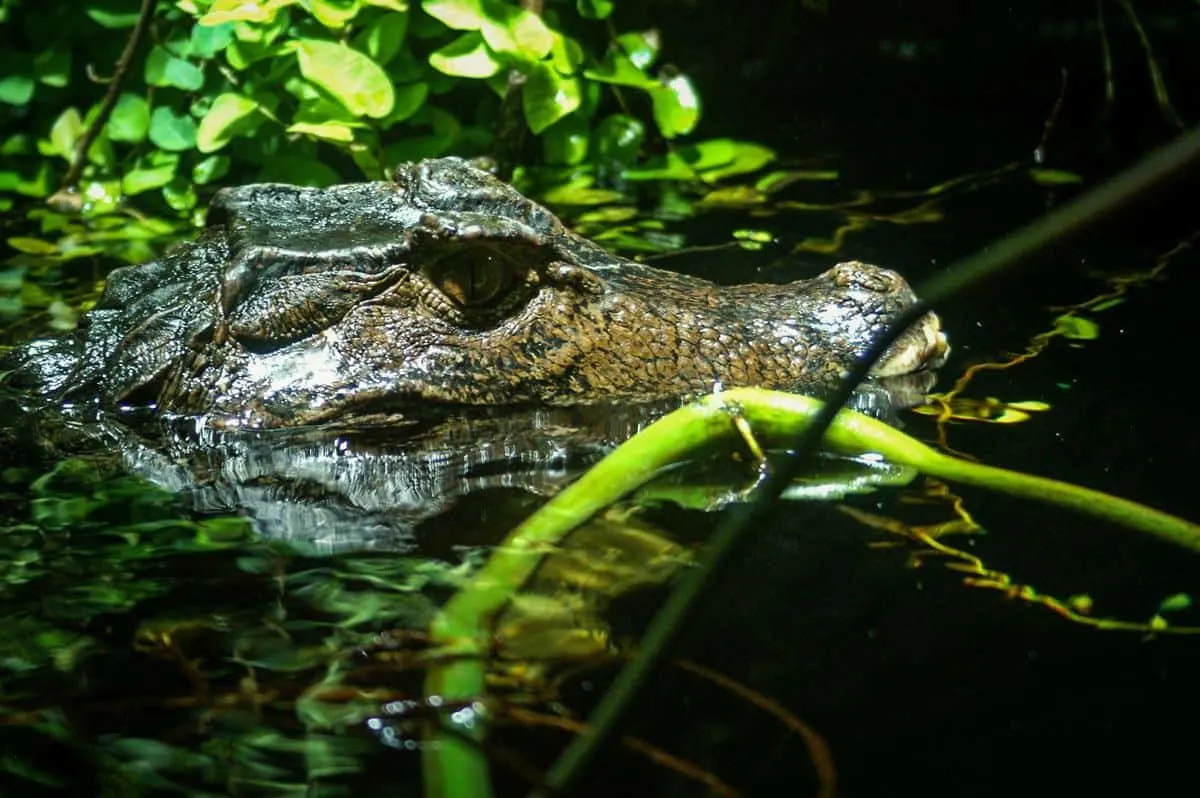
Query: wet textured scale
(445, 286)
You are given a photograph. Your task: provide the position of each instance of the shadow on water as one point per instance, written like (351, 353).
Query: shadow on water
(156, 632)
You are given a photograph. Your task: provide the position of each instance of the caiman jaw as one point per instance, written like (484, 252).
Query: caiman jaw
(922, 346)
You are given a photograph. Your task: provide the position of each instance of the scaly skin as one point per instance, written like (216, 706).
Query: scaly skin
(444, 286)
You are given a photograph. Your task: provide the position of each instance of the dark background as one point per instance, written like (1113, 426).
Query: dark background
(922, 685)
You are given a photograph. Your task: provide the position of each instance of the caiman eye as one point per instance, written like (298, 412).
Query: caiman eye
(472, 277)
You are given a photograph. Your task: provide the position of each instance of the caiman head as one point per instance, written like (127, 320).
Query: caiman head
(445, 286)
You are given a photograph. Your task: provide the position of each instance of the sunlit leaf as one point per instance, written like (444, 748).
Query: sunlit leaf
(676, 106)
(329, 131)
(222, 11)
(465, 57)
(641, 47)
(229, 115)
(456, 14)
(566, 54)
(518, 32)
(709, 159)
(333, 14)
(65, 131)
(353, 78)
(548, 97)
(617, 69)
(747, 157)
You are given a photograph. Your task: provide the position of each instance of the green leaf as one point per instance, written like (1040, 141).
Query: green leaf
(745, 157)
(110, 18)
(16, 89)
(676, 107)
(333, 14)
(241, 55)
(382, 38)
(565, 54)
(594, 9)
(456, 14)
(172, 130)
(548, 97)
(32, 246)
(565, 143)
(208, 40)
(409, 99)
(164, 69)
(140, 180)
(230, 115)
(53, 67)
(223, 11)
(130, 118)
(618, 70)
(353, 78)
(65, 131)
(1175, 603)
(516, 31)
(212, 168)
(709, 159)
(641, 46)
(180, 194)
(618, 139)
(328, 131)
(465, 57)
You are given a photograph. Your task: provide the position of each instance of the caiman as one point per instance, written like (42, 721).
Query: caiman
(441, 287)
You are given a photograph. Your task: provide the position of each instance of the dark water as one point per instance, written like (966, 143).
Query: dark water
(917, 682)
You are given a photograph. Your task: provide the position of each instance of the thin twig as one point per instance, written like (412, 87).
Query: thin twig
(110, 98)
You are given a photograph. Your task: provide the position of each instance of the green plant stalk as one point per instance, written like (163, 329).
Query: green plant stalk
(454, 761)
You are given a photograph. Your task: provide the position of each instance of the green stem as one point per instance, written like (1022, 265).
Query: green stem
(454, 761)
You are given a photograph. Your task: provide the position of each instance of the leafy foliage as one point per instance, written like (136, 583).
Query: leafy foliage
(306, 92)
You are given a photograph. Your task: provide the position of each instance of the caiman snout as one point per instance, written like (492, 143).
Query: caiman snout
(922, 346)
